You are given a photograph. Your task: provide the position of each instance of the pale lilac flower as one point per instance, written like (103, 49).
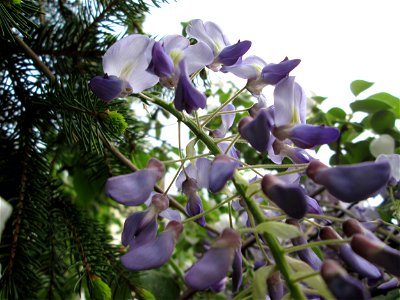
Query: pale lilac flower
(125, 64)
(155, 252)
(224, 52)
(351, 183)
(199, 172)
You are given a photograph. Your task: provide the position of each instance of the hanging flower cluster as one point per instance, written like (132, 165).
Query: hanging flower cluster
(277, 131)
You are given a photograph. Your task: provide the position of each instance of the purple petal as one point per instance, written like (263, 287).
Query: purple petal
(230, 54)
(139, 227)
(132, 189)
(219, 286)
(171, 214)
(351, 183)
(233, 152)
(226, 122)
(275, 286)
(313, 206)
(391, 284)
(221, 170)
(197, 56)
(342, 286)
(290, 198)
(156, 252)
(237, 270)
(351, 259)
(187, 97)
(175, 43)
(108, 88)
(161, 63)
(256, 131)
(273, 73)
(306, 255)
(194, 207)
(308, 136)
(249, 68)
(377, 253)
(213, 266)
(200, 173)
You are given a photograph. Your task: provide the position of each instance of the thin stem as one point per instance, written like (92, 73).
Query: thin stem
(232, 143)
(165, 162)
(316, 244)
(180, 147)
(227, 112)
(272, 166)
(222, 106)
(173, 179)
(306, 276)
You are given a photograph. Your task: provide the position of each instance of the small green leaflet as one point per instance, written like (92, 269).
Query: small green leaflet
(358, 86)
(278, 229)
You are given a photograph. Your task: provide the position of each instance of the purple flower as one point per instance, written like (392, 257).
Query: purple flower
(296, 155)
(224, 53)
(194, 205)
(108, 88)
(233, 152)
(170, 51)
(377, 253)
(256, 130)
(161, 63)
(342, 285)
(199, 172)
(355, 262)
(353, 182)
(221, 170)
(306, 255)
(154, 253)
(273, 73)
(307, 136)
(237, 270)
(135, 188)
(125, 64)
(288, 197)
(275, 286)
(141, 227)
(187, 97)
(352, 226)
(213, 266)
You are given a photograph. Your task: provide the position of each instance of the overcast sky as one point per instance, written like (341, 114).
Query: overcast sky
(338, 41)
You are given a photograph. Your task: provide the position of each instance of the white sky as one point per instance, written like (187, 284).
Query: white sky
(337, 41)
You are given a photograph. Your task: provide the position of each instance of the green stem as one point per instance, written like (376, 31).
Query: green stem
(317, 243)
(241, 185)
(272, 166)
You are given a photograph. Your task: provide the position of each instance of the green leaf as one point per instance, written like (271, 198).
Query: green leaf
(358, 86)
(279, 229)
(369, 105)
(260, 281)
(160, 284)
(338, 113)
(391, 100)
(316, 282)
(319, 99)
(382, 121)
(190, 150)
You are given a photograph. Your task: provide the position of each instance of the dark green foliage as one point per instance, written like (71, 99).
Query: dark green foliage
(53, 158)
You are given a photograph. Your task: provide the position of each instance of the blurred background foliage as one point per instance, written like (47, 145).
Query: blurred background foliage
(62, 239)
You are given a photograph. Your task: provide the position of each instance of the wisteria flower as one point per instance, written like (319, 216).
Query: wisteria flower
(288, 197)
(224, 52)
(135, 188)
(155, 252)
(124, 65)
(213, 266)
(194, 205)
(351, 183)
(221, 170)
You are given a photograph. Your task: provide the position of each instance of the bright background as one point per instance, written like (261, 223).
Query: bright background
(338, 41)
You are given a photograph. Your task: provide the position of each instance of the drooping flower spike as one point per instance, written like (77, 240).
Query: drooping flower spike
(213, 266)
(224, 53)
(349, 257)
(288, 197)
(154, 253)
(125, 64)
(351, 183)
(341, 284)
(135, 188)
